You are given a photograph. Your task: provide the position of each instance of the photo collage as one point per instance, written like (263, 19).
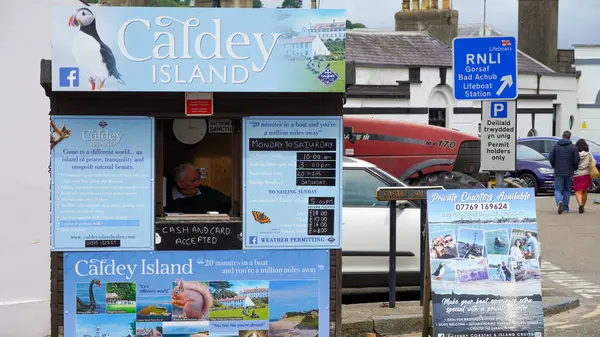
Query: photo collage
(469, 253)
(191, 308)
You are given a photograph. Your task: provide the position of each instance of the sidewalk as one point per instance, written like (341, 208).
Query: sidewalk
(407, 317)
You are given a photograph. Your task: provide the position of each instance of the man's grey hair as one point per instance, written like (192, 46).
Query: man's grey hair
(567, 134)
(179, 171)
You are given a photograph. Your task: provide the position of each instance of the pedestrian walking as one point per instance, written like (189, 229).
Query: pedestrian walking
(564, 158)
(582, 179)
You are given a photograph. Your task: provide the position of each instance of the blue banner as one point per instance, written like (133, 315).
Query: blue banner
(102, 183)
(197, 294)
(292, 182)
(485, 263)
(198, 49)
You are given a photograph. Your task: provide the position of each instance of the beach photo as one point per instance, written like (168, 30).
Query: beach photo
(239, 300)
(91, 297)
(185, 329)
(253, 333)
(120, 298)
(294, 308)
(105, 325)
(148, 329)
(154, 308)
(497, 241)
(499, 268)
(442, 270)
(470, 243)
(191, 300)
(528, 242)
(470, 270)
(443, 244)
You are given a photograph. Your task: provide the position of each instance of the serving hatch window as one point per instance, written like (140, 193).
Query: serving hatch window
(201, 167)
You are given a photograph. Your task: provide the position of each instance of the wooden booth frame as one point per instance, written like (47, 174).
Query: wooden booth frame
(170, 105)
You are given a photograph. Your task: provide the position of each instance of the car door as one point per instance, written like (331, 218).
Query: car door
(366, 226)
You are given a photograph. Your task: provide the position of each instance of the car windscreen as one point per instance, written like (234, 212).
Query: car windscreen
(594, 147)
(390, 178)
(527, 153)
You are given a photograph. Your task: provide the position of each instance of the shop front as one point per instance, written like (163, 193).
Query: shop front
(195, 171)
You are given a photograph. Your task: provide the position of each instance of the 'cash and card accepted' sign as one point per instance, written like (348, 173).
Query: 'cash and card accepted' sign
(198, 49)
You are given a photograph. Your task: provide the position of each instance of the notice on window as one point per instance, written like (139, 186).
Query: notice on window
(102, 175)
(292, 182)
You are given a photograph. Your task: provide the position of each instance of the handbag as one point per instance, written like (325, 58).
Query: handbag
(593, 169)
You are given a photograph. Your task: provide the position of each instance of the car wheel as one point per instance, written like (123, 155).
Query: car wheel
(449, 180)
(595, 188)
(530, 180)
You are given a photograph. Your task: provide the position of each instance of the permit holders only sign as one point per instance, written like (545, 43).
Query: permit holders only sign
(485, 68)
(499, 136)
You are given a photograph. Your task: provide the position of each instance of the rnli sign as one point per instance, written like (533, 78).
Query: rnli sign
(198, 49)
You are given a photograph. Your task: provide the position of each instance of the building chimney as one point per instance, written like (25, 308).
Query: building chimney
(538, 30)
(442, 23)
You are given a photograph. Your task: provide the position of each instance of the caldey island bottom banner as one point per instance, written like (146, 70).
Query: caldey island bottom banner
(485, 267)
(197, 294)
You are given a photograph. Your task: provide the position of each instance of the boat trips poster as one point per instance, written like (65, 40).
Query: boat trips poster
(197, 294)
(485, 262)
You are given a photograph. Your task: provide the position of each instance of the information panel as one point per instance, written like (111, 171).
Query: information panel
(197, 293)
(102, 177)
(485, 263)
(292, 182)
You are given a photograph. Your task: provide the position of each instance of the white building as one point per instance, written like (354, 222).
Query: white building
(587, 62)
(328, 31)
(255, 292)
(237, 302)
(25, 193)
(305, 47)
(410, 78)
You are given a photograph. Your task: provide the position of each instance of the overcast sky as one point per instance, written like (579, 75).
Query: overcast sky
(579, 20)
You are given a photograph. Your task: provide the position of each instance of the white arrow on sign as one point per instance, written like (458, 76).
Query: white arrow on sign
(506, 81)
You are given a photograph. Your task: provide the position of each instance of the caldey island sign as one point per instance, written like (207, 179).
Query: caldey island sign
(194, 49)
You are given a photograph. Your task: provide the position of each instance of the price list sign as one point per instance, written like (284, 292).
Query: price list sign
(292, 182)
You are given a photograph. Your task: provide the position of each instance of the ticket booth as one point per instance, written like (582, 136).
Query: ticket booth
(162, 140)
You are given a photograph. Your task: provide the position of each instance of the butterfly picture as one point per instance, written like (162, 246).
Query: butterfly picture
(260, 217)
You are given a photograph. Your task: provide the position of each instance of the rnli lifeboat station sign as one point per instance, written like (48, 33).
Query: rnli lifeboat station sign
(198, 49)
(485, 68)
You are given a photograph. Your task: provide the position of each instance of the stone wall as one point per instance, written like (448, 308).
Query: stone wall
(538, 30)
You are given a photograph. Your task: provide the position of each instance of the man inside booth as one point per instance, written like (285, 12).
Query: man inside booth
(187, 195)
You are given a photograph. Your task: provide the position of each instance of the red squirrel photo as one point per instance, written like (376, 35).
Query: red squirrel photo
(193, 297)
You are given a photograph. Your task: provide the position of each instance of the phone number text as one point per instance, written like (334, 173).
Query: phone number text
(482, 206)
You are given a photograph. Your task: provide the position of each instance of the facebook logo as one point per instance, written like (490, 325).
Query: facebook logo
(253, 240)
(499, 110)
(68, 77)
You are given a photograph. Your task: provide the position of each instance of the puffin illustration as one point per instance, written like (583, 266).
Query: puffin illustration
(439, 273)
(93, 56)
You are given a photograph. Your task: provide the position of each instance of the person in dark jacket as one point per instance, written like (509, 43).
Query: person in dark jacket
(187, 195)
(564, 158)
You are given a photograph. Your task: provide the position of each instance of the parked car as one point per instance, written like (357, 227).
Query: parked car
(366, 227)
(544, 145)
(535, 169)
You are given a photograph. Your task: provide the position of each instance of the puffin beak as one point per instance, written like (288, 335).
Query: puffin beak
(73, 22)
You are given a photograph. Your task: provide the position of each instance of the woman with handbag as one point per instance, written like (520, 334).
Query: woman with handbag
(584, 174)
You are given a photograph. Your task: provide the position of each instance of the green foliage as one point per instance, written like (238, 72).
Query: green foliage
(125, 291)
(352, 25)
(260, 302)
(337, 49)
(309, 322)
(132, 327)
(257, 4)
(169, 3)
(220, 289)
(291, 4)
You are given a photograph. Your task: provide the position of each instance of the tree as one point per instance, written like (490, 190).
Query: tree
(257, 4)
(169, 3)
(220, 289)
(291, 4)
(351, 25)
(132, 327)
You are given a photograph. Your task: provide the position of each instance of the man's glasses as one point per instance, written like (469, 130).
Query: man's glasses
(448, 240)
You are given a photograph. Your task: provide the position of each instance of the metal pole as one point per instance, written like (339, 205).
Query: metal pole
(423, 248)
(392, 275)
(484, 15)
(499, 179)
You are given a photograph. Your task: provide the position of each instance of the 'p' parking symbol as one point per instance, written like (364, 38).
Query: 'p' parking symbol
(499, 110)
